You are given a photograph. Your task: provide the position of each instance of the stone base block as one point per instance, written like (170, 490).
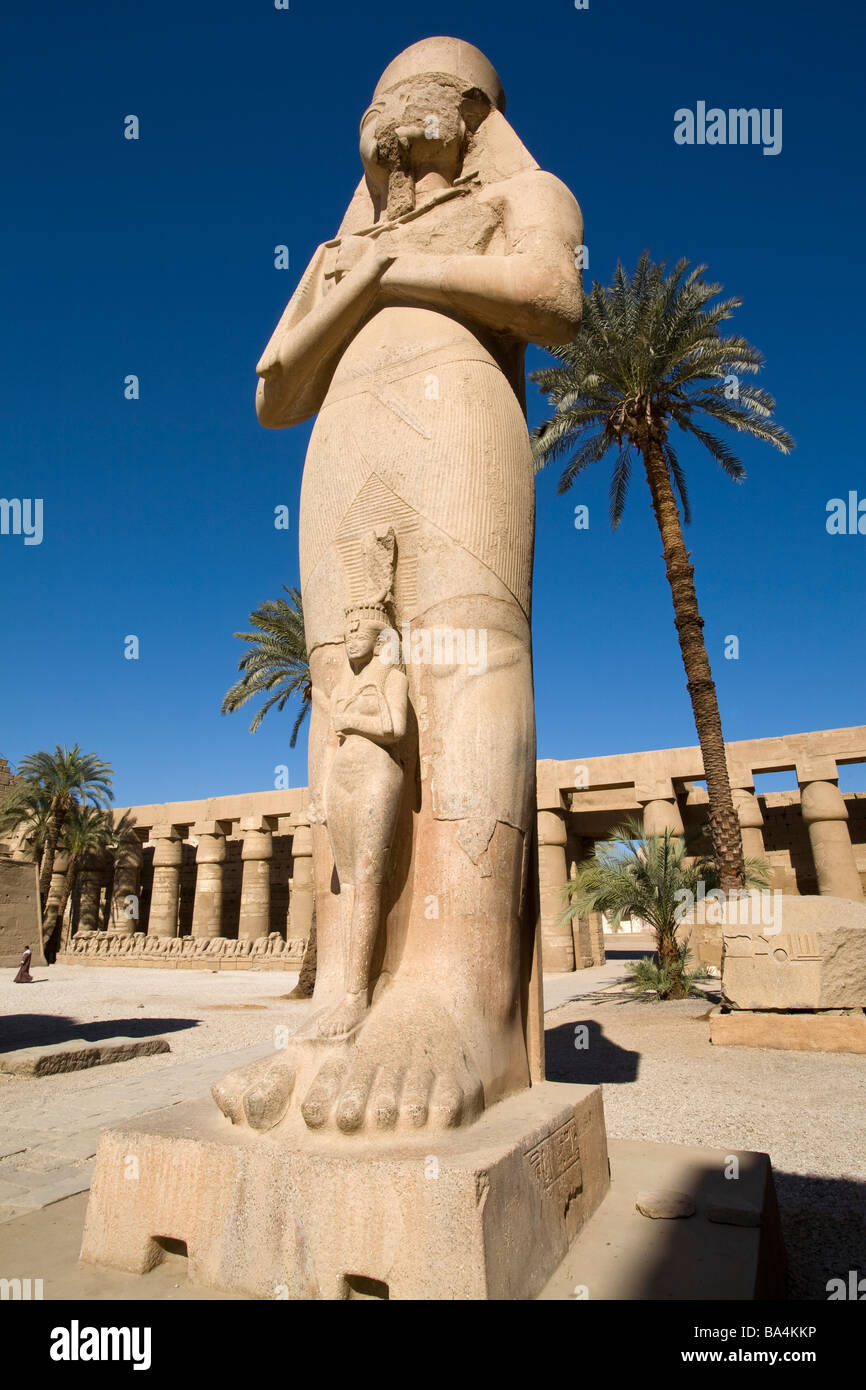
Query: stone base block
(77, 1055)
(482, 1213)
(798, 1032)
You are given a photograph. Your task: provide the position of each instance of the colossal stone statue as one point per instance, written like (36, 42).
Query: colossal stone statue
(406, 337)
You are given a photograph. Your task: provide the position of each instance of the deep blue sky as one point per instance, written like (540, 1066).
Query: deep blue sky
(156, 258)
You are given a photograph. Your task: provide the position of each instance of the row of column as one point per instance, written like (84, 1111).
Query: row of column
(211, 855)
(825, 816)
(824, 813)
(567, 946)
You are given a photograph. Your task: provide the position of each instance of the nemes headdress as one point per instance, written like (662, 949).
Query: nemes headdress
(494, 152)
(453, 57)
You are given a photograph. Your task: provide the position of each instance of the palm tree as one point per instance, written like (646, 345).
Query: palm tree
(649, 352)
(276, 661)
(650, 877)
(66, 778)
(88, 832)
(24, 815)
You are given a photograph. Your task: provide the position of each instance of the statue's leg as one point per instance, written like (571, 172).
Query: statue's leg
(447, 1037)
(259, 1094)
(327, 663)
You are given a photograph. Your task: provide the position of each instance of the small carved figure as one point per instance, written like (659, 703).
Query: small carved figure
(363, 788)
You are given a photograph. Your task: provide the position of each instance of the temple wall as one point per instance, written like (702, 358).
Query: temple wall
(20, 918)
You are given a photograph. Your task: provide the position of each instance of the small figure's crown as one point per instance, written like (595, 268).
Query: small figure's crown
(369, 613)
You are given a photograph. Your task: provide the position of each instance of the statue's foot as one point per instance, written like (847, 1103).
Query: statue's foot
(340, 1022)
(257, 1095)
(407, 1069)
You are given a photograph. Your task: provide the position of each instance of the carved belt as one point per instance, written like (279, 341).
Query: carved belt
(410, 364)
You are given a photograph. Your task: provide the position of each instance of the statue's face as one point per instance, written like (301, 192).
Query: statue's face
(420, 125)
(360, 639)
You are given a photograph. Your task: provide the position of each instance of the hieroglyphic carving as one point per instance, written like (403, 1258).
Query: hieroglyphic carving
(555, 1160)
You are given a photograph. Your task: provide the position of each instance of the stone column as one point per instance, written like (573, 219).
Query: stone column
(126, 889)
(167, 857)
(575, 853)
(751, 822)
(825, 814)
(90, 883)
(301, 902)
(55, 892)
(557, 945)
(256, 854)
(662, 814)
(209, 858)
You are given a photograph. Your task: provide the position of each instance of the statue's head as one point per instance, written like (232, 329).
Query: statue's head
(427, 104)
(452, 58)
(365, 623)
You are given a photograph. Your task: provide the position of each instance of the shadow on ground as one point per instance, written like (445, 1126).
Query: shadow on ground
(581, 1052)
(824, 1224)
(38, 1030)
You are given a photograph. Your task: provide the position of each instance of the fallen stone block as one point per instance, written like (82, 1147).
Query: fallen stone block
(734, 1214)
(813, 957)
(662, 1204)
(77, 1055)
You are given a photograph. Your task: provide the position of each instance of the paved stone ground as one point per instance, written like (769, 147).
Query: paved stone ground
(662, 1081)
(51, 1124)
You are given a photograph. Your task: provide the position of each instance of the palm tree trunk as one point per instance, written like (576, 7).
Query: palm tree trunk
(724, 825)
(307, 978)
(52, 840)
(68, 884)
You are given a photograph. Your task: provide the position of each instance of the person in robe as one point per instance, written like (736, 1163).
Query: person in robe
(24, 977)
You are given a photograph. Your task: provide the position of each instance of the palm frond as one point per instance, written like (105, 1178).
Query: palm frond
(275, 663)
(651, 347)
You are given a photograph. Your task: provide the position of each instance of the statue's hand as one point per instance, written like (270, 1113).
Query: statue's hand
(349, 253)
(368, 253)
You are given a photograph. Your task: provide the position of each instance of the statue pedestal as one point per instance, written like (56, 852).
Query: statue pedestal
(487, 1212)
